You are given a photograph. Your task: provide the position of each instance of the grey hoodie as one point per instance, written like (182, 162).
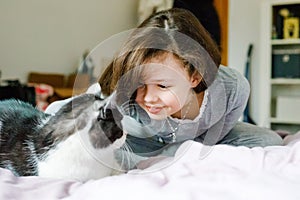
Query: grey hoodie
(223, 104)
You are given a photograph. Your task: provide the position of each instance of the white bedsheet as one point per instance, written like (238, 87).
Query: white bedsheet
(196, 172)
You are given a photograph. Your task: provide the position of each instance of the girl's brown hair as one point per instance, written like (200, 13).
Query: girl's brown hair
(175, 30)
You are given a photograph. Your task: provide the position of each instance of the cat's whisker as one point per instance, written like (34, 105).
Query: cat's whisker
(123, 151)
(128, 153)
(125, 108)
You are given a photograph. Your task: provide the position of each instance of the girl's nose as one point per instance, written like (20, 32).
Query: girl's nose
(150, 93)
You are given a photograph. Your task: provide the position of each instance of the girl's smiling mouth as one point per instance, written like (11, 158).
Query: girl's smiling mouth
(154, 109)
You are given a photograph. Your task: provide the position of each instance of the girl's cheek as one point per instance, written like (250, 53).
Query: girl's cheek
(139, 96)
(171, 100)
(176, 97)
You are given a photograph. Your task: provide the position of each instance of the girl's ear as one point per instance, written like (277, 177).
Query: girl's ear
(195, 79)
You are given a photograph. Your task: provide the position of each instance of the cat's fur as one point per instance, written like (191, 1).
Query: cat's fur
(78, 142)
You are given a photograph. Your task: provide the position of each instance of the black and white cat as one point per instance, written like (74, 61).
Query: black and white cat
(78, 142)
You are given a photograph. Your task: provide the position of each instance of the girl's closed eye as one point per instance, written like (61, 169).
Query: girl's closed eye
(163, 86)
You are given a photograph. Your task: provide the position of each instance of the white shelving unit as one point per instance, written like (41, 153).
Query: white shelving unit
(277, 87)
(285, 41)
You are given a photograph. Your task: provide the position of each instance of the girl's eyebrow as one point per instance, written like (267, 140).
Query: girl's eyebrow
(161, 80)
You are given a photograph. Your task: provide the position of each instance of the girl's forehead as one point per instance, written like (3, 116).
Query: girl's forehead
(158, 72)
(165, 63)
(165, 58)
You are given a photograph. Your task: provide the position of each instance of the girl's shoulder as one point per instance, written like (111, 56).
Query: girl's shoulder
(232, 78)
(230, 74)
(229, 84)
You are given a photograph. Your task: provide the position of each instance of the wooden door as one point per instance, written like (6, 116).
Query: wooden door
(222, 9)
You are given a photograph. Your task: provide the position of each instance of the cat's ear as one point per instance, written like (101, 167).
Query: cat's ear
(94, 89)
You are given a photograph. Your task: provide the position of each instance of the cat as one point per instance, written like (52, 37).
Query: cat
(78, 142)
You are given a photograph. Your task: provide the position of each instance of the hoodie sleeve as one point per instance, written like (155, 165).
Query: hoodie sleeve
(237, 100)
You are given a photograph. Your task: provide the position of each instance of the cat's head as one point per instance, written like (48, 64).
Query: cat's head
(87, 115)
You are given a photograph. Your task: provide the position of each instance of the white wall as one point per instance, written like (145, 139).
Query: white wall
(51, 35)
(244, 28)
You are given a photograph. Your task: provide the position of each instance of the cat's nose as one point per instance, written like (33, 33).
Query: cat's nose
(99, 118)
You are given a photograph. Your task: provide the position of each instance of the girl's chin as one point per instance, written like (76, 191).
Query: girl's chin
(157, 116)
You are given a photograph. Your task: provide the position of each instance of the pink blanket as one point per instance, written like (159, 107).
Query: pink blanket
(196, 172)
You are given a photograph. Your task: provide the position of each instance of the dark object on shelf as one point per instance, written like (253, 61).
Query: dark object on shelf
(279, 26)
(14, 89)
(282, 12)
(286, 63)
(246, 114)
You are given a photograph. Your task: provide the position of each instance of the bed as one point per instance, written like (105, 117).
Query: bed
(196, 172)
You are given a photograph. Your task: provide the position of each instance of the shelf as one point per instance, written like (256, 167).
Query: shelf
(284, 121)
(285, 41)
(279, 80)
(285, 81)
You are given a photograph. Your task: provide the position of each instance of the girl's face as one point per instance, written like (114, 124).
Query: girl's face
(166, 87)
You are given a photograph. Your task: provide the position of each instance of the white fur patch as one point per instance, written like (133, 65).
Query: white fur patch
(166, 25)
(1, 123)
(94, 89)
(76, 159)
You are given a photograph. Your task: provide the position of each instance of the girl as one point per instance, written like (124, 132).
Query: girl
(169, 87)
(170, 68)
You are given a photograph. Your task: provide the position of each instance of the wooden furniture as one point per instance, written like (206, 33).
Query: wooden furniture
(55, 80)
(64, 86)
(76, 84)
(222, 9)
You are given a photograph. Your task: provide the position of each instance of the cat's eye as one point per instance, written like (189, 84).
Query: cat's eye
(98, 97)
(105, 114)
